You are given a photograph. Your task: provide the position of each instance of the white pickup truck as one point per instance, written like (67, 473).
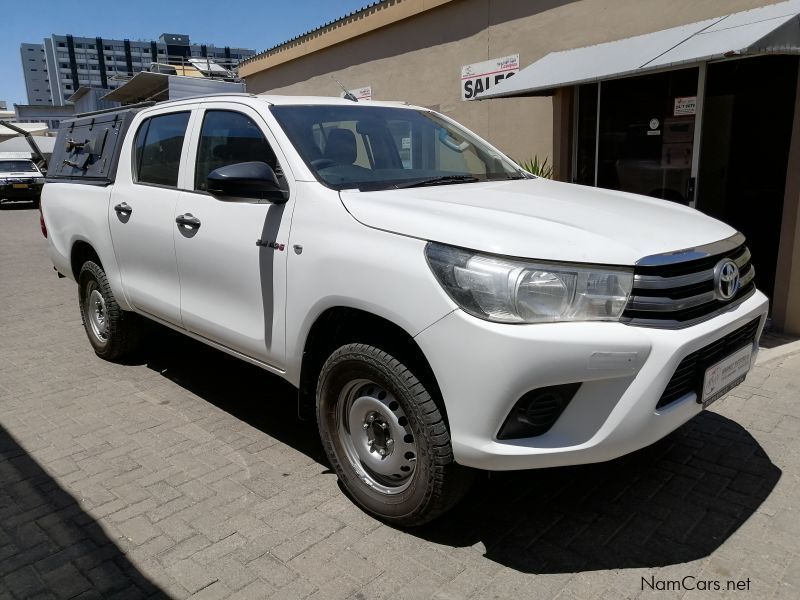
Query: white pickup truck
(442, 309)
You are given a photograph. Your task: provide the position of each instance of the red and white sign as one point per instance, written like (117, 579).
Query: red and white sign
(686, 105)
(362, 93)
(479, 77)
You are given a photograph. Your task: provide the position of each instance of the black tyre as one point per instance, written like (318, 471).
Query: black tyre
(113, 332)
(386, 437)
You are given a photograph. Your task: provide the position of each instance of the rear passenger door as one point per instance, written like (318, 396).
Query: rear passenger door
(233, 289)
(142, 212)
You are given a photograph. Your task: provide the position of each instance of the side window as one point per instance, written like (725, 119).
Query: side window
(227, 138)
(157, 149)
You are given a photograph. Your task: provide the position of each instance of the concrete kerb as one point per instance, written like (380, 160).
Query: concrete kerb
(767, 354)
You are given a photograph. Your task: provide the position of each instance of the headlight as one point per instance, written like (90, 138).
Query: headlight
(510, 290)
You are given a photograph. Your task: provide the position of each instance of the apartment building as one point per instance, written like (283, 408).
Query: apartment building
(58, 66)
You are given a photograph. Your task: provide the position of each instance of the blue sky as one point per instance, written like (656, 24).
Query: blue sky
(242, 23)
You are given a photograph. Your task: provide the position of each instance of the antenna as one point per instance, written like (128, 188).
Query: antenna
(347, 94)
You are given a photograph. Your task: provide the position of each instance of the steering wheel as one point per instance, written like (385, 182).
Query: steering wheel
(322, 163)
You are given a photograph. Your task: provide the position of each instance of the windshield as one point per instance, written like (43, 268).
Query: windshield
(376, 148)
(17, 165)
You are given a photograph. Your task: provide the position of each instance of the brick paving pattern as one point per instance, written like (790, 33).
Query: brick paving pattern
(187, 475)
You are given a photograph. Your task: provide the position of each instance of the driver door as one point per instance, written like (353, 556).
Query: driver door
(233, 284)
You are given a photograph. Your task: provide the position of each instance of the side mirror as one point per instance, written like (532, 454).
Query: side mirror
(247, 180)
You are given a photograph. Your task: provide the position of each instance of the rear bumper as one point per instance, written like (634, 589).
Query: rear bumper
(32, 192)
(483, 368)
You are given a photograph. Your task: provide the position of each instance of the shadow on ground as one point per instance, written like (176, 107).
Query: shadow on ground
(247, 392)
(50, 547)
(673, 502)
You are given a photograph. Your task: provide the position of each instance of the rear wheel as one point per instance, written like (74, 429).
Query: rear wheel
(113, 332)
(386, 437)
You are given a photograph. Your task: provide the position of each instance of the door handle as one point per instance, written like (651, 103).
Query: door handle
(123, 209)
(188, 220)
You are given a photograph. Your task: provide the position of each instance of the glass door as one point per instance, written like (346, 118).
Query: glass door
(645, 134)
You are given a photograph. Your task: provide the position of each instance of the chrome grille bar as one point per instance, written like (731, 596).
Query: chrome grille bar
(655, 282)
(677, 289)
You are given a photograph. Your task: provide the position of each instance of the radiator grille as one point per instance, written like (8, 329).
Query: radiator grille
(680, 294)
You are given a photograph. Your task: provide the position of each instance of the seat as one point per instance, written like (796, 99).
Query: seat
(340, 146)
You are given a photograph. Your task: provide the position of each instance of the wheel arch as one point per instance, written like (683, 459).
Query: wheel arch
(340, 325)
(81, 252)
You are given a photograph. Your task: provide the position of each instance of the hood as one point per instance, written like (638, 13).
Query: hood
(538, 218)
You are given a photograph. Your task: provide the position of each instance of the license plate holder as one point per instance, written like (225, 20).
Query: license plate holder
(20, 186)
(724, 375)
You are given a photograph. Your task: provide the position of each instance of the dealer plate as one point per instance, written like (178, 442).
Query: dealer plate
(725, 375)
(19, 186)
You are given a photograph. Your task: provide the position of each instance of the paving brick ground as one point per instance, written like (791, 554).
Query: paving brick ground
(187, 475)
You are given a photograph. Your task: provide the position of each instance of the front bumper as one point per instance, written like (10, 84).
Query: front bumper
(483, 368)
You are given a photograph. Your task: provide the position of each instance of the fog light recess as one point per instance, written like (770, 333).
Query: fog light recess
(536, 411)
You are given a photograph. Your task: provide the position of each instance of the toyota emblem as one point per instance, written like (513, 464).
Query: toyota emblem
(726, 279)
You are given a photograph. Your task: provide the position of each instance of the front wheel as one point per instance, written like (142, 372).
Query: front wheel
(386, 437)
(113, 332)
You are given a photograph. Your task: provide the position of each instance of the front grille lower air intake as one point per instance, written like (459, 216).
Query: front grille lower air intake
(688, 377)
(678, 289)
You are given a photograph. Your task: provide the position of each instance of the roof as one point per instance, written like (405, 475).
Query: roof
(369, 18)
(773, 29)
(279, 100)
(320, 28)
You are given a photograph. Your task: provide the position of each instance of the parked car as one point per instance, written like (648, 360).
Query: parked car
(440, 309)
(20, 179)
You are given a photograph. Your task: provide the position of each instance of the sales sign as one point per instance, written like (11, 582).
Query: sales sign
(685, 106)
(479, 77)
(362, 93)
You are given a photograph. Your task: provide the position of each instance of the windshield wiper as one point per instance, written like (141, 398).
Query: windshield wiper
(441, 180)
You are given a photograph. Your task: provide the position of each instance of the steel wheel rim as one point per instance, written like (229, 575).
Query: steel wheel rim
(376, 436)
(95, 312)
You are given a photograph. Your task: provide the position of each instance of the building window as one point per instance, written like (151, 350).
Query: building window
(68, 87)
(90, 46)
(62, 45)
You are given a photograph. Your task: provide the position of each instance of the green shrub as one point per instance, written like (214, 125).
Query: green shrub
(541, 168)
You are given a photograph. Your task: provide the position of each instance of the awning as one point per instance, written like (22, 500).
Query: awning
(143, 86)
(32, 128)
(773, 29)
(20, 145)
